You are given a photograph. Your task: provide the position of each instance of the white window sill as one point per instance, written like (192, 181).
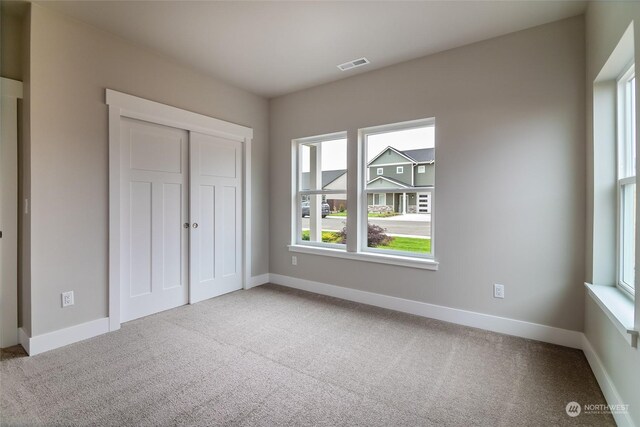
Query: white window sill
(425, 264)
(619, 309)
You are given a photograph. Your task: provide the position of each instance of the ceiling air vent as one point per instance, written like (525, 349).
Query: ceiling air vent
(353, 64)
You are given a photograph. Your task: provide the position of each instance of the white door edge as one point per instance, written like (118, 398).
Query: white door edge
(10, 91)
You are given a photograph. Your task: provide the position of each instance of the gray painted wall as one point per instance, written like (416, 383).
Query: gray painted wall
(71, 65)
(501, 107)
(605, 24)
(11, 42)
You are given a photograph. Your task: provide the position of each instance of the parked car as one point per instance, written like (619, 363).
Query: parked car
(326, 209)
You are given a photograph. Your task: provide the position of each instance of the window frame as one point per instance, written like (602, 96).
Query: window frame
(353, 248)
(399, 170)
(379, 171)
(363, 192)
(298, 192)
(624, 142)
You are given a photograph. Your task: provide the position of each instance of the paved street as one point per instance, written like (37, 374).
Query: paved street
(393, 226)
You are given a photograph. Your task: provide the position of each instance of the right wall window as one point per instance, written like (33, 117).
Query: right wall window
(397, 205)
(626, 149)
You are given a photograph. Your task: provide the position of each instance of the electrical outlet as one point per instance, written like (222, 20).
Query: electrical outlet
(498, 291)
(67, 299)
(294, 260)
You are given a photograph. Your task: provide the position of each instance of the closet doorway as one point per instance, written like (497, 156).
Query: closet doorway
(178, 203)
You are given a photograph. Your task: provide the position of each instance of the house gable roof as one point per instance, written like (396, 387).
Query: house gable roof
(327, 177)
(400, 153)
(395, 182)
(422, 155)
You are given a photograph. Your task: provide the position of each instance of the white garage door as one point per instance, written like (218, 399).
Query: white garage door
(424, 202)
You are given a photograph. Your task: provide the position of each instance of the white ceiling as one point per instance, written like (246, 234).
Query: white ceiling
(273, 48)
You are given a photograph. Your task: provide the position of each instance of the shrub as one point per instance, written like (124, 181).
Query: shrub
(375, 236)
(341, 208)
(327, 236)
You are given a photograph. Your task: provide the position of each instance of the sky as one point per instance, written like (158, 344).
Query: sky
(334, 153)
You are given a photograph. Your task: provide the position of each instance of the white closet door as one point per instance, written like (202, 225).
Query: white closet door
(216, 216)
(154, 202)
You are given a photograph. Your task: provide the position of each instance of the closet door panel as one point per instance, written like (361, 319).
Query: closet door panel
(216, 216)
(154, 207)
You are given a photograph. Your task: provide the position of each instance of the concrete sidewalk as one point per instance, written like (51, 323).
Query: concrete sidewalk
(406, 217)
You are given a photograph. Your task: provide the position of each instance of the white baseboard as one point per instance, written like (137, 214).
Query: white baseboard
(60, 338)
(488, 322)
(607, 386)
(258, 280)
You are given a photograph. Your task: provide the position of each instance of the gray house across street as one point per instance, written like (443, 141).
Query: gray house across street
(331, 180)
(406, 172)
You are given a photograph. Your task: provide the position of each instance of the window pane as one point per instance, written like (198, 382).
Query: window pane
(401, 159)
(628, 135)
(400, 178)
(628, 229)
(632, 126)
(400, 221)
(322, 220)
(324, 165)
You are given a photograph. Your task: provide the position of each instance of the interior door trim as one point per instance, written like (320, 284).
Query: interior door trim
(125, 105)
(10, 92)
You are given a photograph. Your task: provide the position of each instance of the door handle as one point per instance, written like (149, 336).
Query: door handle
(195, 225)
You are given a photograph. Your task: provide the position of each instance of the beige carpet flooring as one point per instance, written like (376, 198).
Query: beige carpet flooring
(274, 356)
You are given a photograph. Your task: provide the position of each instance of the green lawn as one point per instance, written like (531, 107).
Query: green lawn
(407, 244)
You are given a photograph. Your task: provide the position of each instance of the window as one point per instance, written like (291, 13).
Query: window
(395, 216)
(320, 190)
(626, 147)
(422, 169)
(379, 199)
(399, 219)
